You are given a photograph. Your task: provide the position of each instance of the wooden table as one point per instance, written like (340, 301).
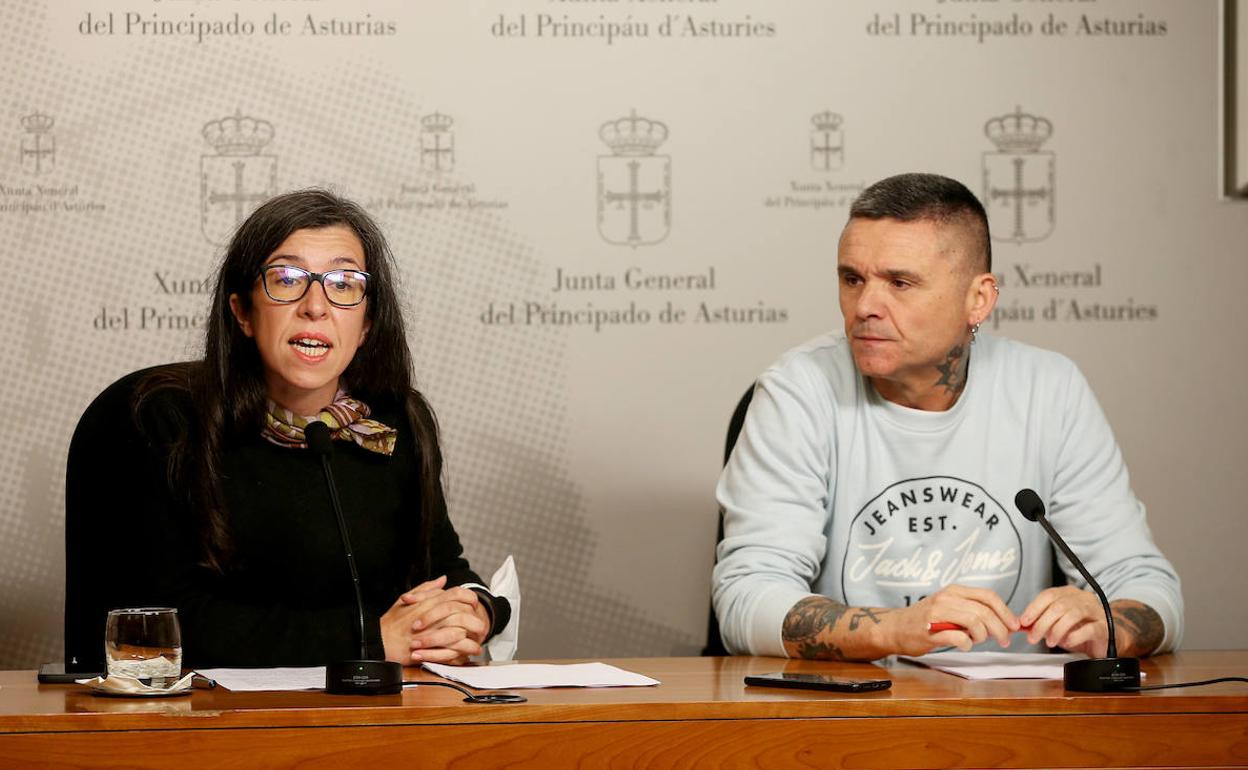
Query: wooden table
(701, 716)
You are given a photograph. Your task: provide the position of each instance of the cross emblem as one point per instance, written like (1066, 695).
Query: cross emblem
(1020, 195)
(822, 154)
(438, 152)
(240, 197)
(634, 198)
(38, 152)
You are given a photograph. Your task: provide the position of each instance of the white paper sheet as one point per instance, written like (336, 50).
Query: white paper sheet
(258, 679)
(518, 675)
(995, 665)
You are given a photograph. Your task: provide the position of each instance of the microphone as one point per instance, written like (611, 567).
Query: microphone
(1095, 674)
(363, 676)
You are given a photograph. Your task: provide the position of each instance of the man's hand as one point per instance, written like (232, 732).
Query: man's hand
(818, 627)
(435, 624)
(980, 612)
(1074, 620)
(1070, 618)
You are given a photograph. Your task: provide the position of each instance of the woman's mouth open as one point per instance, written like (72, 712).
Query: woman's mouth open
(311, 346)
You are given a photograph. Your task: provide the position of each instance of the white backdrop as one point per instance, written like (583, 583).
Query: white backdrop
(609, 217)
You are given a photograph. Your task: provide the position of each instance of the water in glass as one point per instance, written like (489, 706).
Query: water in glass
(144, 643)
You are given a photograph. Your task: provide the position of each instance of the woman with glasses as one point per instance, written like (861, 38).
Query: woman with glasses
(191, 485)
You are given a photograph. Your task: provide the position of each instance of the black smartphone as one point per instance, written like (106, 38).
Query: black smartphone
(818, 682)
(54, 673)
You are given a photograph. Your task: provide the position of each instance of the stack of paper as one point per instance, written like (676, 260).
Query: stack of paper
(996, 665)
(520, 675)
(257, 679)
(504, 677)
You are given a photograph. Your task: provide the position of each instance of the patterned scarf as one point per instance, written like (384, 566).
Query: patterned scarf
(346, 418)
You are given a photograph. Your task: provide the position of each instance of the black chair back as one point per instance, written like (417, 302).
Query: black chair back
(714, 642)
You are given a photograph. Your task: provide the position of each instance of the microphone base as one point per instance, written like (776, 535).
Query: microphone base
(1101, 674)
(363, 677)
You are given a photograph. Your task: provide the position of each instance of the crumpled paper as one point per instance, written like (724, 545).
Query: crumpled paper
(506, 583)
(128, 685)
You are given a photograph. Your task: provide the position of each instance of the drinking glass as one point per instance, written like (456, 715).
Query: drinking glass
(144, 643)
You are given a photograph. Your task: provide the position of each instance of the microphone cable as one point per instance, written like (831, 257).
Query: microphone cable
(491, 697)
(1201, 683)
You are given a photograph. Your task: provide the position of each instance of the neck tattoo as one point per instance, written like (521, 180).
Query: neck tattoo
(953, 371)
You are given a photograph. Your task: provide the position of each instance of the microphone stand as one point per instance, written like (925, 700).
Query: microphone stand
(1106, 674)
(363, 676)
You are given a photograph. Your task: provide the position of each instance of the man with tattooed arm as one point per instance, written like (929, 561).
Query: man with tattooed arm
(869, 495)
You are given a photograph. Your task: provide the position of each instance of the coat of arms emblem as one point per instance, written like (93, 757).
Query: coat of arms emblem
(437, 142)
(634, 184)
(827, 142)
(38, 148)
(1019, 182)
(237, 178)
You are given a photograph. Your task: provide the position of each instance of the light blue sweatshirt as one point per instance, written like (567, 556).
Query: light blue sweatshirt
(833, 490)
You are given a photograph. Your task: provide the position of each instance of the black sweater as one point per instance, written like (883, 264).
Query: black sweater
(287, 598)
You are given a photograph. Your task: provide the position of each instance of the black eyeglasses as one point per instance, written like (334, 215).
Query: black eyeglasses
(286, 283)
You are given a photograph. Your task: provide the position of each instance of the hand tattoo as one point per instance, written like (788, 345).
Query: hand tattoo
(1142, 623)
(953, 370)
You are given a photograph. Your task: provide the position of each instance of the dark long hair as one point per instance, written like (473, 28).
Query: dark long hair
(228, 386)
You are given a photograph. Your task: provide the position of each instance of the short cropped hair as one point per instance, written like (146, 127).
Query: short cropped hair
(912, 197)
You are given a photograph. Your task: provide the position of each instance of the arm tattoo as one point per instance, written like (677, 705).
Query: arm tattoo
(808, 628)
(809, 619)
(1142, 623)
(953, 370)
(865, 613)
(820, 651)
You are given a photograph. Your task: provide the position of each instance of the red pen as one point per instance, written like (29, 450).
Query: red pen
(942, 625)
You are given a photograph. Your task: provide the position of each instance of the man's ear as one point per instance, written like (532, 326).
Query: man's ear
(981, 298)
(236, 307)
